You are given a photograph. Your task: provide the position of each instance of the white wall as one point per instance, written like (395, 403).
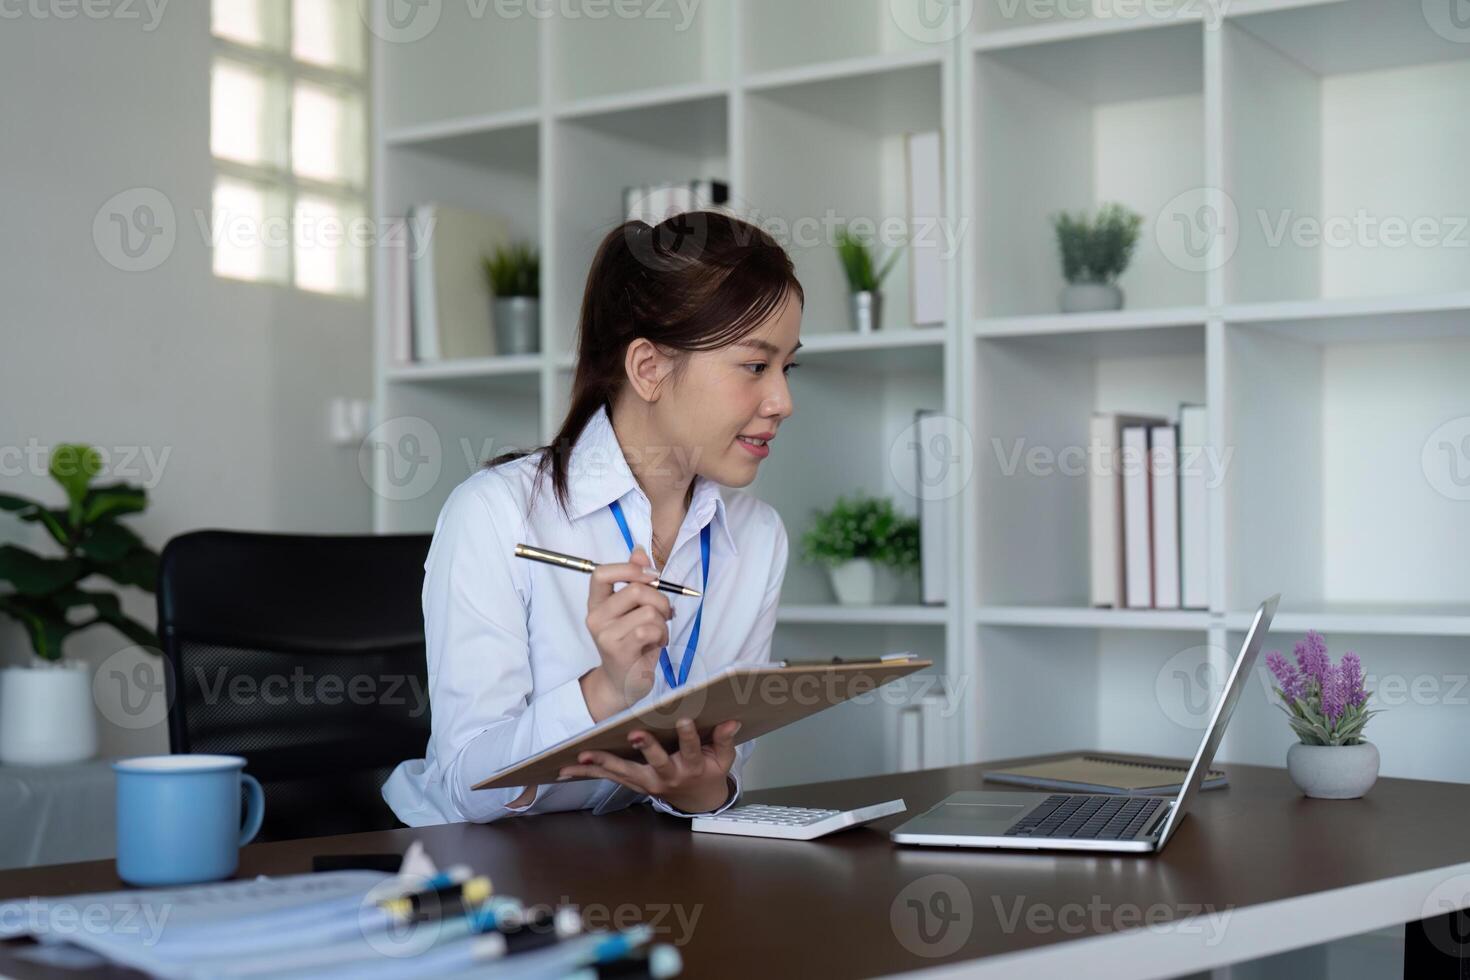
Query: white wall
(230, 380)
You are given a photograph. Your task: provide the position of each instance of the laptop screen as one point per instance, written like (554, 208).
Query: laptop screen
(1239, 676)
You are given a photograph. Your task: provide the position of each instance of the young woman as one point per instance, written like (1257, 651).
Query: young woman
(685, 343)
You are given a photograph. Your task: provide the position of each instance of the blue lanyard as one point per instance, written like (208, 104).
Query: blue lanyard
(663, 660)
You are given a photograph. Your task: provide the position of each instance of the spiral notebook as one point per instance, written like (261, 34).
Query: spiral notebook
(1101, 773)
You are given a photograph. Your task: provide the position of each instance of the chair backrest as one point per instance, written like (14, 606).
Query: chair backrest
(305, 655)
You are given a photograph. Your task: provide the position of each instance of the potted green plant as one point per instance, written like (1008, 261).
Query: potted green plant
(1094, 254)
(864, 280)
(46, 709)
(865, 545)
(513, 274)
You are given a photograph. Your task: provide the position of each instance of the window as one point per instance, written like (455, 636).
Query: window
(288, 135)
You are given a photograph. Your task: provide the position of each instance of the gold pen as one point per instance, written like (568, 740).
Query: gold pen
(583, 565)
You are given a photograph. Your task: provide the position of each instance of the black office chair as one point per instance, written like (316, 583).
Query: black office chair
(305, 655)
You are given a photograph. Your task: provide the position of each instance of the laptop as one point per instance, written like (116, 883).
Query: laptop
(1085, 821)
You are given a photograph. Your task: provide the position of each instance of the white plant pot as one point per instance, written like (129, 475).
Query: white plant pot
(862, 582)
(1090, 297)
(47, 715)
(1333, 772)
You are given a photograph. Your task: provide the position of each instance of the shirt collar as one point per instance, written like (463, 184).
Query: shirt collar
(598, 474)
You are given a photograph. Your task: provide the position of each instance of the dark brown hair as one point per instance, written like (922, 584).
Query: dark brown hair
(696, 281)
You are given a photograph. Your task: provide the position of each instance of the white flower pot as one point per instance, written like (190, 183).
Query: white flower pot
(1090, 297)
(1333, 772)
(47, 715)
(863, 582)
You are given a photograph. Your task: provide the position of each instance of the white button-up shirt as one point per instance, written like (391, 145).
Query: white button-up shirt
(507, 638)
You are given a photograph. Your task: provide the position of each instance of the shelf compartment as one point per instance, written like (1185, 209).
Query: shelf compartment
(1419, 681)
(779, 34)
(455, 61)
(1349, 468)
(494, 171)
(819, 154)
(1345, 123)
(834, 444)
(1073, 124)
(456, 425)
(1034, 399)
(600, 154)
(1111, 689)
(599, 55)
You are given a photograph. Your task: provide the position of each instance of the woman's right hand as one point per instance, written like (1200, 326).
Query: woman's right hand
(630, 627)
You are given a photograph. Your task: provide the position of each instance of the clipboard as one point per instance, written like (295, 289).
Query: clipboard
(762, 698)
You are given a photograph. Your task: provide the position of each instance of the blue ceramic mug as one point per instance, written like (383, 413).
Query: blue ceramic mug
(178, 817)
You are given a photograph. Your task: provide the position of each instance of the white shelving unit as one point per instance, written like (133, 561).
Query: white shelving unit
(1326, 366)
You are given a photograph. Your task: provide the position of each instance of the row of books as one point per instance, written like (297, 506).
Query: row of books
(1148, 507)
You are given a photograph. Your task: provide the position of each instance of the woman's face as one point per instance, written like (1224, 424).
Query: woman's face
(728, 397)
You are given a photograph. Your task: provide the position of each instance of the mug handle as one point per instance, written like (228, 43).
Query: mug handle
(254, 808)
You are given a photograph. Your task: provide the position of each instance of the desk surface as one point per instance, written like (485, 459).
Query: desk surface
(1255, 869)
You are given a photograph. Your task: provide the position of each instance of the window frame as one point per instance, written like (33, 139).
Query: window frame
(282, 64)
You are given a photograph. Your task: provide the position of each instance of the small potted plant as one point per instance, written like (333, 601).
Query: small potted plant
(865, 544)
(1326, 706)
(46, 709)
(1094, 254)
(864, 280)
(514, 276)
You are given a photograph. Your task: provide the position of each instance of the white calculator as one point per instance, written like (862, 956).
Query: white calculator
(791, 822)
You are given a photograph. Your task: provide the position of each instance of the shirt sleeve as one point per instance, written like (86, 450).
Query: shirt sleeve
(480, 683)
(755, 650)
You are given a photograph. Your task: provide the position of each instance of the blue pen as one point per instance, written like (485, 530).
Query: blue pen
(551, 963)
(663, 961)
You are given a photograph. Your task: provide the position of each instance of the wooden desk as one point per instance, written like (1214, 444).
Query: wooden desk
(1256, 869)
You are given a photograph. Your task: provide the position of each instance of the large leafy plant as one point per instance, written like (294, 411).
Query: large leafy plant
(1325, 703)
(46, 594)
(863, 527)
(1096, 250)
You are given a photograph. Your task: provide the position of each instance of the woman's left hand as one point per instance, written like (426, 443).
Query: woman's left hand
(693, 779)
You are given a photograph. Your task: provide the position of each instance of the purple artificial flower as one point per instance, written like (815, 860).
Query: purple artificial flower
(1312, 658)
(1287, 677)
(1334, 694)
(1352, 676)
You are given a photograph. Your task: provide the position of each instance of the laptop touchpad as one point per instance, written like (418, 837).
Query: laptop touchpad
(981, 817)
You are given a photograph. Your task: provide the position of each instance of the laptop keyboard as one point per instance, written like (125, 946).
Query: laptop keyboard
(1088, 817)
